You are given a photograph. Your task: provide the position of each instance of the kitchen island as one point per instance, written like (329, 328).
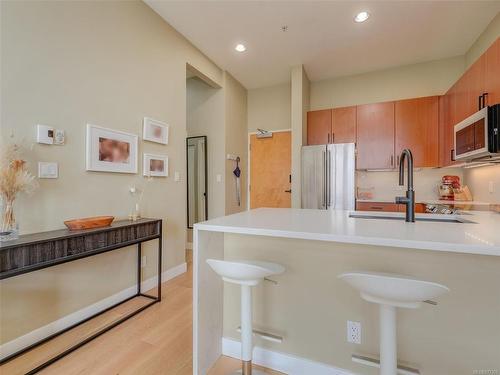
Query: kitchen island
(309, 306)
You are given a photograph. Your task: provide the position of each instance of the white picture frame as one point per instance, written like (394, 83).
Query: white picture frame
(103, 144)
(160, 169)
(155, 131)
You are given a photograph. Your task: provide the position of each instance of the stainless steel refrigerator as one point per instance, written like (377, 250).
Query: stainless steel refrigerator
(328, 176)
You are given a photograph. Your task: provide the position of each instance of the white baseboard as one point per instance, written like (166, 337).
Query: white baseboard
(189, 245)
(40, 333)
(286, 363)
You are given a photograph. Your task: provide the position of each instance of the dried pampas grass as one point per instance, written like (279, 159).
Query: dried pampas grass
(14, 179)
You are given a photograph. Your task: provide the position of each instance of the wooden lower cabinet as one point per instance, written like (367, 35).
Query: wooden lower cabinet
(387, 207)
(377, 206)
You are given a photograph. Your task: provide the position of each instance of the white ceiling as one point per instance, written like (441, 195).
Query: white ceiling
(323, 36)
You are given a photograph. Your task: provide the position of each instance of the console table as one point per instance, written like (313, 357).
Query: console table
(36, 251)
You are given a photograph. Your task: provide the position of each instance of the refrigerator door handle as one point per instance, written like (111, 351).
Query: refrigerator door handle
(328, 172)
(325, 178)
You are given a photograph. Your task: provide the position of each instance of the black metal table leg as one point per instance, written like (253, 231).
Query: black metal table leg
(160, 240)
(139, 261)
(155, 299)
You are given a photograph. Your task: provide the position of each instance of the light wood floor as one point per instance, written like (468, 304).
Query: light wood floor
(156, 341)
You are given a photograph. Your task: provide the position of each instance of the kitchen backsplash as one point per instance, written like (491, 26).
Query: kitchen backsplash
(384, 184)
(479, 180)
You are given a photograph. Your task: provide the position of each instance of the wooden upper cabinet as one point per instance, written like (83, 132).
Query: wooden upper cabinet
(474, 86)
(375, 136)
(417, 128)
(492, 73)
(319, 127)
(343, 125)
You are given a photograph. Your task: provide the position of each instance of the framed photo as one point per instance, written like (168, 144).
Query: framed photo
(155, 165)
(111, 150)
(155, 131)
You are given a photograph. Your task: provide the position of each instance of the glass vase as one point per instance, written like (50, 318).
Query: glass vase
(9, 228)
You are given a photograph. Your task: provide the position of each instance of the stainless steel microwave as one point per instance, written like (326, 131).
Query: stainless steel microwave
(477, 137)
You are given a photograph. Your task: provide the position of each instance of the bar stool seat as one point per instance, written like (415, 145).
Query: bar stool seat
(246, 273)
(390, 291)
(393, 289)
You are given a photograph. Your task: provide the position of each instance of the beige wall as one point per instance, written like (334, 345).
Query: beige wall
(235, 142)
(424, 79)
(310, 306)
(67, 64)
(489, 35)
(269, 108)
(478, 180)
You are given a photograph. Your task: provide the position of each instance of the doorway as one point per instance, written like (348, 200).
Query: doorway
(271, 169)
(196, 155)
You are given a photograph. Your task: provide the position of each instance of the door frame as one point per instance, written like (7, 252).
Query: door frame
(206, 178)
(250, 158)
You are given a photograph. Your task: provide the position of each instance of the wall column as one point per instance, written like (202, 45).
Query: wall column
(299, 108)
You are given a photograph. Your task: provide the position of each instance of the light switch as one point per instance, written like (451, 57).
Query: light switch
(44, 134)
(48, 170)
(219, 178)
(177, 176)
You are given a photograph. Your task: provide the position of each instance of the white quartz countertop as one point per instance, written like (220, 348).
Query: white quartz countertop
(481, 237)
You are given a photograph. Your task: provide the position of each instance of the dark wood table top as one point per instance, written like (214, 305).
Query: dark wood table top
(34, 238)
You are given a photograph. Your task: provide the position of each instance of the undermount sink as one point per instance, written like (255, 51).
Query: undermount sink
(422, 217)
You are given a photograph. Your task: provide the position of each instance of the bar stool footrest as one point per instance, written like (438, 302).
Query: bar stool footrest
(373, 362)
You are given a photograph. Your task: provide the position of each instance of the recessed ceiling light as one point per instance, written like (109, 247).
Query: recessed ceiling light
(362, 17)
(240, 48)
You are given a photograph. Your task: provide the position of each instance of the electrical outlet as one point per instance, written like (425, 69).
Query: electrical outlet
(353, 332)
(144, 261)
(491, 187)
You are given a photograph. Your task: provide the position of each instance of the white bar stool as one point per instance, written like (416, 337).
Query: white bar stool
(247, 274)
(391, 291)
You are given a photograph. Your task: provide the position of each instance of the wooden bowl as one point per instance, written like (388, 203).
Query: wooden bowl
(89, 222)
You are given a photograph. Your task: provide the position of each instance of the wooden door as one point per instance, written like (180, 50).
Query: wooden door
(492, 73)
(417, 128)
(343, 125)
(270, 170)
(319, 127)
(375, 136)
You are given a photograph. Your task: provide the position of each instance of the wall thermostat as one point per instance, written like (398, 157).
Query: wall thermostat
(44, 134)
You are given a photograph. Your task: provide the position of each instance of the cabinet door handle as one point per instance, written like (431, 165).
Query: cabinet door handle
(333, 137)
(328, 137)
(392, 160)
(376, 208)
(288, 191)
(479, 102)
(485, 95)
(452, 154)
